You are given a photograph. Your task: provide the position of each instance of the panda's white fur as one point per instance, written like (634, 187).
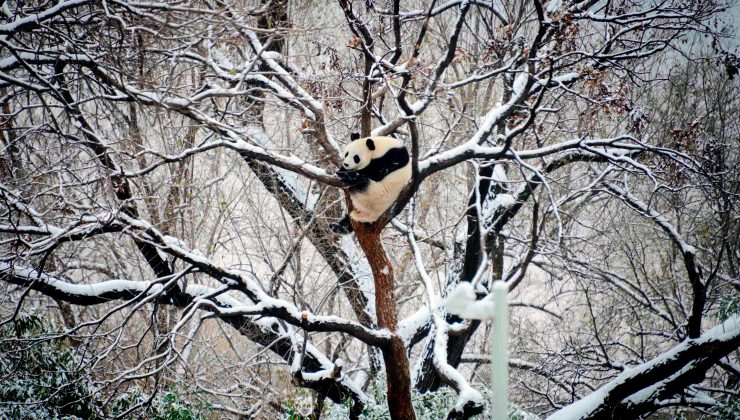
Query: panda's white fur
(388, 163)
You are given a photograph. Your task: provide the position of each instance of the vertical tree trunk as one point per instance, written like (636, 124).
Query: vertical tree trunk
(396, 363)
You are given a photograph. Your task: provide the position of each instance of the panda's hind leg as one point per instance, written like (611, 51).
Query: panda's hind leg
(342, 227)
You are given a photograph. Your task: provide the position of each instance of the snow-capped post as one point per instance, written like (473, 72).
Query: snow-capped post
(462, 302)
(499, 352)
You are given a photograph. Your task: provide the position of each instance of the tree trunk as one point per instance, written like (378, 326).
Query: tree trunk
(396, 363)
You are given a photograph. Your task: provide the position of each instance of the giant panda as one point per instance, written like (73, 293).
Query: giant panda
(376, 170)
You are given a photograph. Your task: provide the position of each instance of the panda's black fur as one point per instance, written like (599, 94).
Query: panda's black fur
(376, 170)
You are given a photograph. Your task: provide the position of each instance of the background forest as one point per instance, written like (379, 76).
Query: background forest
(167, 183)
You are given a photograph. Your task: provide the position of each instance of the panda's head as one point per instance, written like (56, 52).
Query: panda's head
(359, 153)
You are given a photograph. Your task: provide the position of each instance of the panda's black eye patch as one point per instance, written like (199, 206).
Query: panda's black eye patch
(346, 154)
(357, 159)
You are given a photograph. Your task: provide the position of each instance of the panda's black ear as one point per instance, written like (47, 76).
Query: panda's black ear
(370, 144)
(354, 136)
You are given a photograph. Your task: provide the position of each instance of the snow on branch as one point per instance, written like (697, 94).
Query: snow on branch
(613, 147)
(462, 302)
(47, 57)
(270, 306)
(688, 253)
(640, 389)
(474, 147)
(353, 273)
(235, 139)
(34, 20)
(469, 400)
(89, 294)
(78, 294)
(147, 233)
(644, 209)
(85, 227)
(521, 364)
(438, 9)
(311, 322)
(263, 331)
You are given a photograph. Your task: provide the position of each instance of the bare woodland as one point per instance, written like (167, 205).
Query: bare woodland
(168, 182)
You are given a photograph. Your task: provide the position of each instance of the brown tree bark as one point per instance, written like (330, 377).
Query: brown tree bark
(396, 362)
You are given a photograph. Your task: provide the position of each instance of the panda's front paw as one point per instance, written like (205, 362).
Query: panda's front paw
(353, 179)
(347, 176)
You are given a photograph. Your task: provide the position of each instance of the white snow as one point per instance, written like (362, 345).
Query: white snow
(520, 83)
(493, 208)
(567, 77)
(363, 273)
(409, 325)
(462, 302)
(499, 202)
(12, 61)
(561, 79)
(316, 376)
(465, 393)
(499, 174)
(503, 200)
(271, 55)
(554, 6)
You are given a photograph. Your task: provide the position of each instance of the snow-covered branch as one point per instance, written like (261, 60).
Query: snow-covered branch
(261, 330)
(640, 389)
(96, 293)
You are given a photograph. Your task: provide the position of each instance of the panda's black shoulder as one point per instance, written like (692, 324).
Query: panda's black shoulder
(393, 159)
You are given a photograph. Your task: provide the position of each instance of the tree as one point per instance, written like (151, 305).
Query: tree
(168, 170)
